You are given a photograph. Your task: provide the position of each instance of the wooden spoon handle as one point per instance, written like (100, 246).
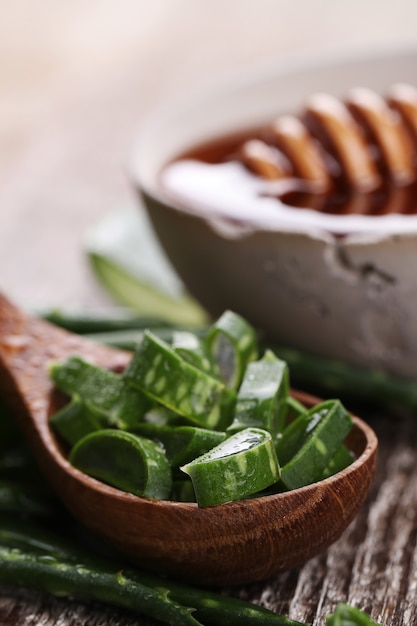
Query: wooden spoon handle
(27, 346)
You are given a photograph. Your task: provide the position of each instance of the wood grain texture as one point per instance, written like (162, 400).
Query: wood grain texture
(373, 565)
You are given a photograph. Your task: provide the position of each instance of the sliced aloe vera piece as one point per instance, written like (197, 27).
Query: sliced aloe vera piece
(191, 348)
(325, 432)
(157, 370)
(182, 443)
(104, 392)
(297, 433)
(130, 263)
(232, 343)
(262, 397)
(161, 416)
(341, 459)
(126, 461)
(242, 465)
(74, 421)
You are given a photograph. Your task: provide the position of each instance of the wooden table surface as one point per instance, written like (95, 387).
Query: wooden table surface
(76, 79)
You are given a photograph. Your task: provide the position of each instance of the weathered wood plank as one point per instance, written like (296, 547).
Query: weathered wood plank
(373, 565)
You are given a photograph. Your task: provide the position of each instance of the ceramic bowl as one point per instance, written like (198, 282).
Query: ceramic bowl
(349, 297)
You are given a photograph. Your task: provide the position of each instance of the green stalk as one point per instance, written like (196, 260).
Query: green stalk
(339, 378)
(112, 319)
(34, 557)
(140, 295)
(63, 578)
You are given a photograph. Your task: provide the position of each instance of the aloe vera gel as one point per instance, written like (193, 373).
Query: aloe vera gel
(205, 418)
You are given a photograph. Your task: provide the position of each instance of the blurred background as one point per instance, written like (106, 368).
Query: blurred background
(77, 78)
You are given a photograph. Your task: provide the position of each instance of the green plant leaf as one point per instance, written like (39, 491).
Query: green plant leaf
(130, 264)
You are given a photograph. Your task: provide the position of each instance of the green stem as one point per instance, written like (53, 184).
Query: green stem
(64, 578)
(112, 319)
(339, 378)
(34, 557)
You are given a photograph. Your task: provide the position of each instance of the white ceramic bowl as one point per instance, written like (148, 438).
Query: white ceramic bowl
(352, 298)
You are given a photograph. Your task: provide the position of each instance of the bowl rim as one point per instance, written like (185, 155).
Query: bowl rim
(254, 75)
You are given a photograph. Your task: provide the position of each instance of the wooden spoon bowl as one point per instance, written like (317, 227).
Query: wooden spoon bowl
(234, 543)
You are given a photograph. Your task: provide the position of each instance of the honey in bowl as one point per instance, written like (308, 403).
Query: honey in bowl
(338, 165)
(304, 220)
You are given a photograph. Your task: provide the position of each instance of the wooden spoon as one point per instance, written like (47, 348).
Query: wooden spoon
(235, 543)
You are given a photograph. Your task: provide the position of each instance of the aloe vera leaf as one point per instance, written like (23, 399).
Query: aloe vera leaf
(232, 344)
(296, 434)
(181, 443)
(189, 346)
(35, 557)
(324, 375)
(342, 458)
(242, 465)
(129, 262)
(100, 320)
(324, 435)
(157, 370)
(126, 461)
(262, 396)
(74, 421)
(105, 393)
(64, 579)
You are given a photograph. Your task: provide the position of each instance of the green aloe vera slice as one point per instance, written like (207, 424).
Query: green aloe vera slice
(74, 421)
(262, 397)
(330, 423)
(182, 443)
(105, 393)
(342, 458)
(232, 343)
(242, 465)
(162, 416)
(191, 348)
(126, 461)
(157, 370)
(297, 432)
